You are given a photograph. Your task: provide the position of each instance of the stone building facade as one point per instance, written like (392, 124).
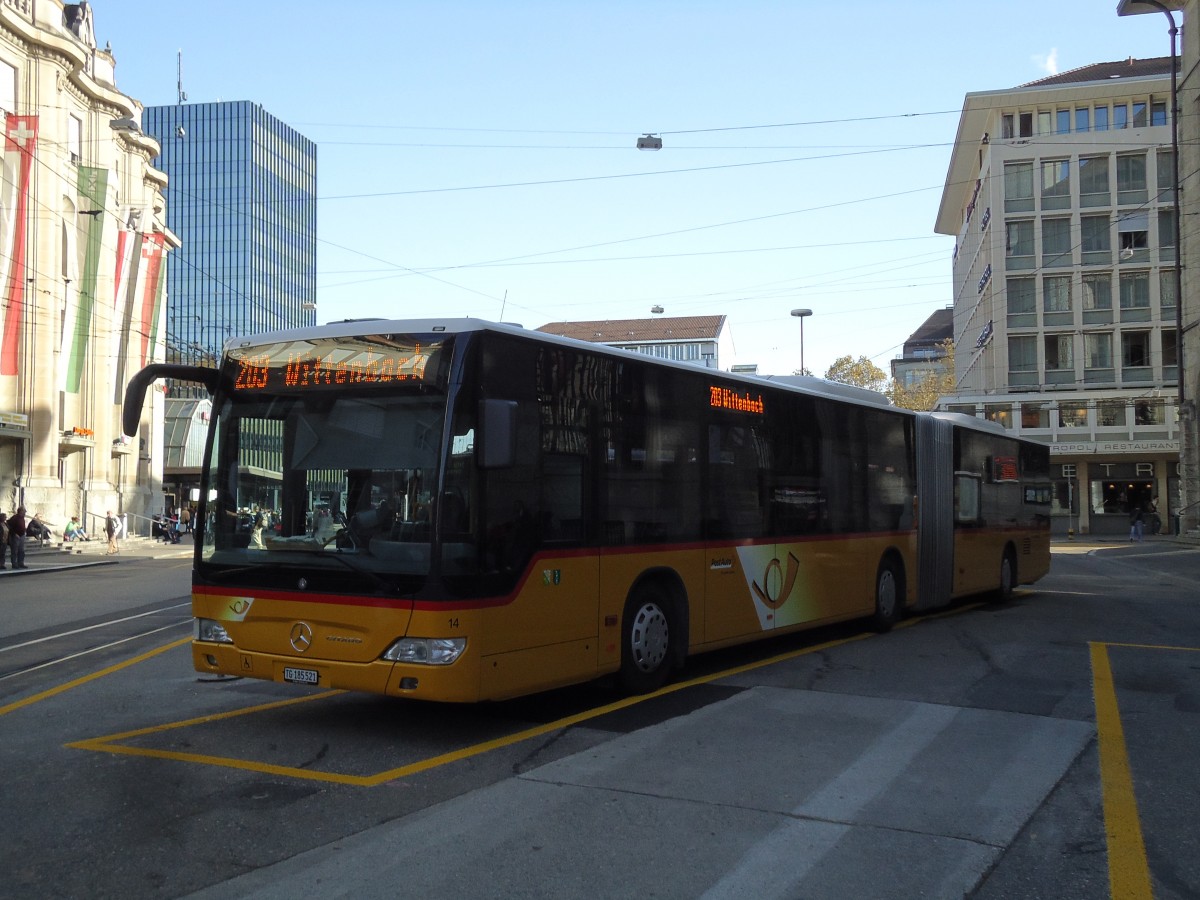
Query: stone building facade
(83, 242)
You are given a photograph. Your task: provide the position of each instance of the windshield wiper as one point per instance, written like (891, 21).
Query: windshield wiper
(222, 574)
(380, 582)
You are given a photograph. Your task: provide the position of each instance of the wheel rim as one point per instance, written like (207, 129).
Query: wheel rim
(649, 637)
(886, 593)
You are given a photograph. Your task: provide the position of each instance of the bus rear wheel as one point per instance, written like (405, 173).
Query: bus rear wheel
(646, 634)
(889, 596)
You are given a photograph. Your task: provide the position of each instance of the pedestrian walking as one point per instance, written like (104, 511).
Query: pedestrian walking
(110, 531)
(1136, 523)
(185, 519)
(3, 539)
(16, 538)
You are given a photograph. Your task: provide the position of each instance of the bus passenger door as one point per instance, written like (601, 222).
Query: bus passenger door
(739, 576)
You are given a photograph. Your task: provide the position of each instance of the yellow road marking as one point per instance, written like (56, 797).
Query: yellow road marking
(1128, 870)
(1153, 647)
(54, 691)
(109, 743)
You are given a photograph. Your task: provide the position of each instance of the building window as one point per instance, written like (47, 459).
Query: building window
(75, 138)
(1022, 302)
(1120, 115)
(1165, 166)
(1135, 290)
(1166, 234)
(1006, 125)
(1097, 291)
(1000, 413)
(1166, 292)
(1019, 244)
(1110, 413)
(1018, 187)
(1083, 119)
(1095, 240)
(1158, 113)
(1139, 114)
(1059, 352)
(1035, 415)
(1056, 242)
(1022, 360)
(1056, 184)
(1056, 293)
(1135, 353)
(1062, 121)
(1133, 231)
(1044, 117)
(8, 88)
(1025, 124)
(1101, 118)
(1099, 350)
(1170, 354)
(1093, 181)
(1131, 178)
(1149, 412)
(1072, 415)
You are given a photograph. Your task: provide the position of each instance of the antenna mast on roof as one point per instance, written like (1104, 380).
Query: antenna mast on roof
(179, 79)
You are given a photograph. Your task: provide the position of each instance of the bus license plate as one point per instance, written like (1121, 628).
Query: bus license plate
(301, 676)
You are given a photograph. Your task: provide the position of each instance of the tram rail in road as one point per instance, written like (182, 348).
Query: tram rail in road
(803, 761)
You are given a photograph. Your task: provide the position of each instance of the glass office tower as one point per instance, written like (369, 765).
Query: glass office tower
(242, 198)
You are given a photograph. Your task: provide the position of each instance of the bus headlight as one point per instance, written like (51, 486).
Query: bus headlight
(212, 630)
(426, 651)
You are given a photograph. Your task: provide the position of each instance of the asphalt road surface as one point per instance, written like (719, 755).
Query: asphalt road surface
(1040, 748)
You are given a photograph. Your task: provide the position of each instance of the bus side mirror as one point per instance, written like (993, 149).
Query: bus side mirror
(135, 391)
(498, 433)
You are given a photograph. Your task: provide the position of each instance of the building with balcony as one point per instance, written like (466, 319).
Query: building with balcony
(83, 239)
(1060, 196)
(701, 340)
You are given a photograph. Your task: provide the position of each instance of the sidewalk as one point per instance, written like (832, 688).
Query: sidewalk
(58, 556)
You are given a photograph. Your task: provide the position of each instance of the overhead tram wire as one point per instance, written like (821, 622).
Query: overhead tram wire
(626, 132)
(621, 175)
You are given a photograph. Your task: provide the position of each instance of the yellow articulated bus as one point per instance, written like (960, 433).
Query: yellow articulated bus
(457, 510)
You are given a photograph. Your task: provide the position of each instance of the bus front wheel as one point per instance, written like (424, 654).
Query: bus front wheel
(646, 634)
(889, 596)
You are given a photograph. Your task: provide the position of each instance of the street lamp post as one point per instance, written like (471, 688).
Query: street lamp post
(1186, 442)
(802, 314)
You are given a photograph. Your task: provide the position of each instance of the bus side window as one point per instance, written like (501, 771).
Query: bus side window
(967, 488)
(737, 470)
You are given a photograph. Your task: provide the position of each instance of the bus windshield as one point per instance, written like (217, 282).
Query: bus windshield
(326, 454)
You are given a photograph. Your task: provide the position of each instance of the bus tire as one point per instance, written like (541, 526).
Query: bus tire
(889, 595)
(647, 629)
(1008, 576)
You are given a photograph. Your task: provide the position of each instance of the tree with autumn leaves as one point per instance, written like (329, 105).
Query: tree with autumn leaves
(923, 395)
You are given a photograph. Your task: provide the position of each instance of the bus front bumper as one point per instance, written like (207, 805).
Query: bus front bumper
(457, 683)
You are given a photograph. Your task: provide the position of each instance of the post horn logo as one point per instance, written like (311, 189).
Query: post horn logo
(778, 584)
(301, 636)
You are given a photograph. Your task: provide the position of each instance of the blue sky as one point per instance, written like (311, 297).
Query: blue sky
(478, 158)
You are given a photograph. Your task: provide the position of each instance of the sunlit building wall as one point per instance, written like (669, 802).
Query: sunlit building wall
(1059, 194)
(83, 241)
